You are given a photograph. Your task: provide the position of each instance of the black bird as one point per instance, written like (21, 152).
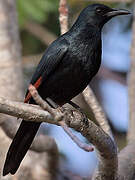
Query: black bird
(66, 68)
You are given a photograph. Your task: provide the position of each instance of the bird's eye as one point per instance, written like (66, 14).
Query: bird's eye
(99, 11)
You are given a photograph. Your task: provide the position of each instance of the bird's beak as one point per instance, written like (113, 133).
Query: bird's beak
(117, 12)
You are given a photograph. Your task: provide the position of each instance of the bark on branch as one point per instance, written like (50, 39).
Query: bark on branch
(126, 158)
(103, 143)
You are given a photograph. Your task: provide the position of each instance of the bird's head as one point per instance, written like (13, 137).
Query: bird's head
(98, 14)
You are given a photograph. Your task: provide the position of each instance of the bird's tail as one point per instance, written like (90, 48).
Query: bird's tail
(20, 146)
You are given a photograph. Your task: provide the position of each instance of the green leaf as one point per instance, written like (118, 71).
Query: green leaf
(37, 10)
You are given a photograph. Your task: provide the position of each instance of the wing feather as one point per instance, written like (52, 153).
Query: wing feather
(49, 61)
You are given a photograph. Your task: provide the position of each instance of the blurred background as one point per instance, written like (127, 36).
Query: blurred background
(38, 26)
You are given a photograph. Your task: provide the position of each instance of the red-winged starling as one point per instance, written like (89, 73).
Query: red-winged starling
(66, 68)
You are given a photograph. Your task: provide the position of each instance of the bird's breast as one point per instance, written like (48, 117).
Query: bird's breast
(72, 75)
(85, 59)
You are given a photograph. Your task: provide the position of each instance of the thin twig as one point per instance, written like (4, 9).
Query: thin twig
(106, 73)
(63, 16)
(92, 102)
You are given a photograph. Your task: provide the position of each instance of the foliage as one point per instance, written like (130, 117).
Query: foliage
(37, 10)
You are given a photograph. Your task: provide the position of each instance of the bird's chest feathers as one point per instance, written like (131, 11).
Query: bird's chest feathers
(86, 58)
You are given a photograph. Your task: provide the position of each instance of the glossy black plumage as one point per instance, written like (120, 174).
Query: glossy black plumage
(65, 70)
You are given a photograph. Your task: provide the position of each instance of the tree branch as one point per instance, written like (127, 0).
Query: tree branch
(93, 133)
(58, 117)
(40, 32)
(63, 16)
(25, 111)
(126, 158)
(41, 143)
(99, 115)
(106, 73)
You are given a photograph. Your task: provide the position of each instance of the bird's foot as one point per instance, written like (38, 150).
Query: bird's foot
(85, 119)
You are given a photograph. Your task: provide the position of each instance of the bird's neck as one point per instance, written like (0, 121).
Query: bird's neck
(85, 31)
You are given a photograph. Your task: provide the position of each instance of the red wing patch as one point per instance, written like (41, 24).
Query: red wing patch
(37, 84)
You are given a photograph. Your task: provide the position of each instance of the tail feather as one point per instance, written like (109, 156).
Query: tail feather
(19, 146)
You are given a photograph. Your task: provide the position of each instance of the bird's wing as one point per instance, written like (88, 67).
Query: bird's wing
(51, 58)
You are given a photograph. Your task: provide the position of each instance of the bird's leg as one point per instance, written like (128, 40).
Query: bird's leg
(55, 105)
(85, 119)
(82, 145)
(76, 140)
(52, 103)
